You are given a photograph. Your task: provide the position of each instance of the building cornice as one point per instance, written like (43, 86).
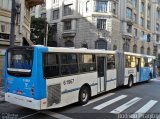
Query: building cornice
(32, 3)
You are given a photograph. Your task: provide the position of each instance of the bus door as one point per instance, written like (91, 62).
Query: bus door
(101, 73)
(138, 68)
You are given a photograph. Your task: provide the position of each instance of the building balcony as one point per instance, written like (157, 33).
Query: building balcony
(32, 3)
(69, 33)
(127, 35)
(129, 21)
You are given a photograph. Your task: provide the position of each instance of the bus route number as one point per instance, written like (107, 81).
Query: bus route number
(67, 82)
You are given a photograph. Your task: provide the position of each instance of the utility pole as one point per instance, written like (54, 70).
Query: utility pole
(12, 28)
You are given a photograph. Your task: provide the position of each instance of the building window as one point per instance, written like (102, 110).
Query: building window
(158, 13)
(134, 3)
(114, 8)
(142, 21)
(69, 44)
(84, 45)
(43, 15)
(87, 6)
(155, 50)
(148, 11)
(55, 1)
(135, 18)
(129, 13)
(101, 23)
(126, 47)
(129, 28)
(148, 51)
(4, 36)
(101, 6)
(142, 6)
(134, 48)
(157, 27)
(114, 47)
(142, 49)
(148, 24)
(2, 28)
(135, 32)
(157, 38)
(101, 44)
(67, 25)
(68, 9)
(55, 14)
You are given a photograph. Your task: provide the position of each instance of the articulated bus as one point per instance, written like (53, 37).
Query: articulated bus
(40, 77)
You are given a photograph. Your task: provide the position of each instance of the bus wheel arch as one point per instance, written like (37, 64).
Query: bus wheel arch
(84, 94)
(130, 81)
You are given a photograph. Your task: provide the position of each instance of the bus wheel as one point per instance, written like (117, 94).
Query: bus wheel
(130, 82)
(84, 95)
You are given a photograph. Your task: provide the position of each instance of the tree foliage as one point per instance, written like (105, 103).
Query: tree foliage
(38, 30)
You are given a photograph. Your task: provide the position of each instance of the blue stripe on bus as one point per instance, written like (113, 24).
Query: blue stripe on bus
(75, 89)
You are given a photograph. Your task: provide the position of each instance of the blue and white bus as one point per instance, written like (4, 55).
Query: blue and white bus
(40, 77)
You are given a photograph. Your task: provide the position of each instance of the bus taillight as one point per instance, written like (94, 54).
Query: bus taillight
(19, 92)
(32, 90)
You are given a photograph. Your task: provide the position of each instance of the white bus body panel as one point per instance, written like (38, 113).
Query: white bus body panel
(70, 92)
(23, 101)
(128, 72)
(111, 79)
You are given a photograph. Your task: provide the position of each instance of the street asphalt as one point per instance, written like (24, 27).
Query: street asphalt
(141, 101)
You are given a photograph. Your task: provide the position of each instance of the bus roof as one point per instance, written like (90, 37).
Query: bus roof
(79, 50)
(140, 55)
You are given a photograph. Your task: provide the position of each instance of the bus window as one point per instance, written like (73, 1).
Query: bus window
(50, 65)
(133, 61)
(130, 61)
(142, 62)
(69, 64)
(87, 63)
(110, 61)
(20, 62)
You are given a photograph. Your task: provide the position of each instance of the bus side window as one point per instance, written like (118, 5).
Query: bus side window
(110, 61)
(69, 64)
(50, 65)
(87, 63)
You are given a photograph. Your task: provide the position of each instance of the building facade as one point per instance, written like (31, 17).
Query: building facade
(124, 25)
(39, 11)
(22, 25)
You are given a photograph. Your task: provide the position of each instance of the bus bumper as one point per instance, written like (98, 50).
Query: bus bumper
(23, 101)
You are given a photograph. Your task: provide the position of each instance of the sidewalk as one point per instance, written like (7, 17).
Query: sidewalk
(1, 94)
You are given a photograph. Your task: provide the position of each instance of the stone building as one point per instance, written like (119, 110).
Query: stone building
(124, 25)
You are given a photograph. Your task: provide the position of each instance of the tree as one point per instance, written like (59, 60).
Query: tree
(38, 30)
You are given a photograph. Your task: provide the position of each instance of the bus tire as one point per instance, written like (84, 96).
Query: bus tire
(149, 78)
(130, 82)
(84, 95)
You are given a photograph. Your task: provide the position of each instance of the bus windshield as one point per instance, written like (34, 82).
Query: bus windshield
(20, 62)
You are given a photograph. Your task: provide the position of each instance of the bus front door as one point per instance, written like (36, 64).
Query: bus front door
(101, 73)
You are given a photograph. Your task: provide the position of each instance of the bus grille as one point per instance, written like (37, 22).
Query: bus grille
(54, 94)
